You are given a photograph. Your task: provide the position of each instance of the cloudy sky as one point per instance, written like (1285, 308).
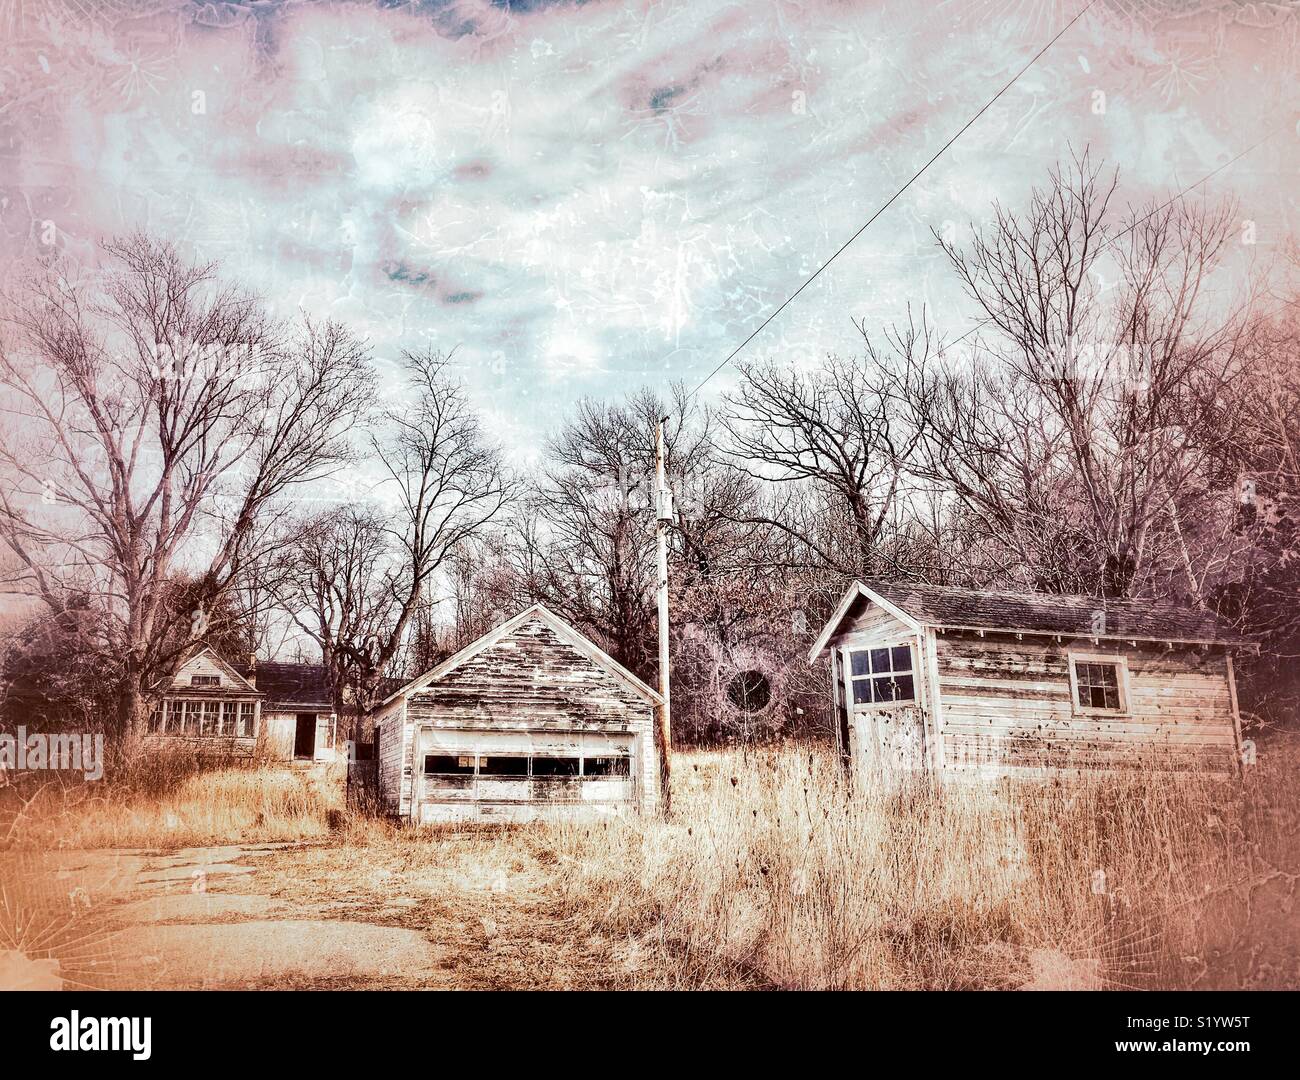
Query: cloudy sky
(585, 198)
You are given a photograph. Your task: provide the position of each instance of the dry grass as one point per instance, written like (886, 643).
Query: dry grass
(773, 873)
(191, 808)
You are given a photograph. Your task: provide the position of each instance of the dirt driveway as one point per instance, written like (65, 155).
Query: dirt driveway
(451, 913)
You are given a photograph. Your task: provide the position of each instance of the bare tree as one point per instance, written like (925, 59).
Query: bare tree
(1074, 435)
(365, 575)
(336, 581)
(830, 446)
(586, 545)
(157, 425)
(1255, 574)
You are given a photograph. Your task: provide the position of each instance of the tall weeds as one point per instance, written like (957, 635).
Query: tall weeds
(775, 871)
(157, 808)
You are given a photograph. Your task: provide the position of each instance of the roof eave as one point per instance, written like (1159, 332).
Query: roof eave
(854, 591)
(1235, 642)
(562, 629)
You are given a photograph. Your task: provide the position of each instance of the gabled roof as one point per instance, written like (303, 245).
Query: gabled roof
(563, 631)
(952, 608)
(238, 681)
(288, 685)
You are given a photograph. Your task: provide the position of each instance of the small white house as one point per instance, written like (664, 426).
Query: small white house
(207, 706)
(943, 679)
(276, 711)
(531, 720)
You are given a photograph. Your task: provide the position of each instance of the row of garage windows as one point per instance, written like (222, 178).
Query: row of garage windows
(525, 765)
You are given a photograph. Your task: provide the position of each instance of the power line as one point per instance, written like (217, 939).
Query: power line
(1146, 217)
(915, 176)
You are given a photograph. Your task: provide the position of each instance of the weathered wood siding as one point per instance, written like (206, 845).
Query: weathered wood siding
(215, 747)
(208, 664)
(277, 735)
(872, 626)
(539, 692)
(1007, 705)
(395, 760)
(883, 738)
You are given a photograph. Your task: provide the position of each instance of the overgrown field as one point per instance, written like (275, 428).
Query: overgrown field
(774, 872)
(174, 802)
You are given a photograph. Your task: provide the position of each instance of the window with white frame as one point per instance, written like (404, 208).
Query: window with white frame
(882, 676)
(1099, 683)
(188, 716)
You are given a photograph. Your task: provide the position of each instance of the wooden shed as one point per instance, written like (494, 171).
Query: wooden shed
(532, 720)
(945, 679)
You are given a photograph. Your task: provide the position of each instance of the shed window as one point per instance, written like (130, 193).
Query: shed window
(607, 766)
(882, 676)
(556, 766)
(1099, 684)
(449, 764)
(503, 766)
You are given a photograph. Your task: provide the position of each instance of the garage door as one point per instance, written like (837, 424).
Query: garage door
(468, 775)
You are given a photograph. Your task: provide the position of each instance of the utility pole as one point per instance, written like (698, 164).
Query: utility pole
(663, 517)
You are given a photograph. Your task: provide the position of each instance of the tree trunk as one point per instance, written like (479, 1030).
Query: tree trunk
(130, 717)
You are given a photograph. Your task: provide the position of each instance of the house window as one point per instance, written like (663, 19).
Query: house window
(182, 716)
(882, 676)
(205, 680)
(1099, 683)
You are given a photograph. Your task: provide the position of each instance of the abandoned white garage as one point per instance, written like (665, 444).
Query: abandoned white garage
(531, 720)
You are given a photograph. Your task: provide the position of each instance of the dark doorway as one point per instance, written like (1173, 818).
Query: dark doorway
(304, 736)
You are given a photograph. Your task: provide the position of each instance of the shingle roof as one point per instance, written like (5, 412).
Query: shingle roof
(293, 684)
(1077, 616)
(559, 627)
